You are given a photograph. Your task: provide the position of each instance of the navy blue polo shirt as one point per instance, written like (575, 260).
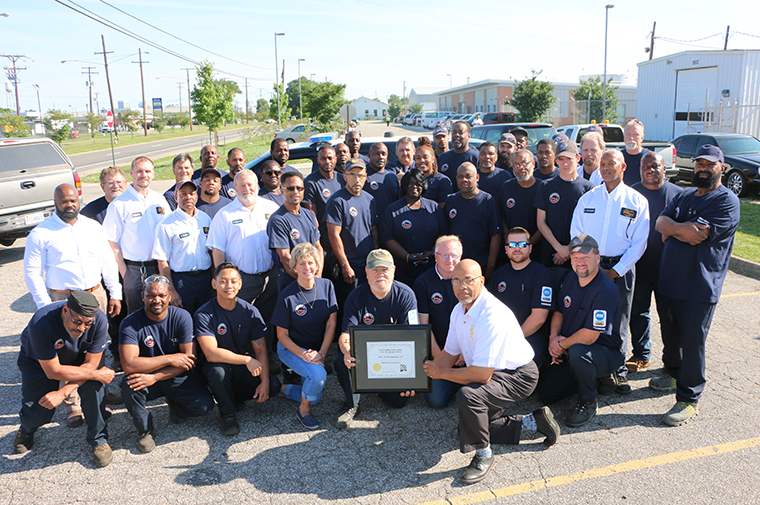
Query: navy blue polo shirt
(286, 230)
(212, 208)
(558, 198)
(492, 181)
(632, 173)
(396, 167)
(304, 312)
(435, 297)
(593, 307)
(696, 273)
(45, 337)
(363, 308)
(157, 338)
(384, 188)
(449, 162)
(278, 199)
(516, 205)
(96, 209)
(439, 188)
(356, 215)
(525, 290)
(196, 177)
(234, 329)
(474, 221)
(318, 189)
(228, 187)
(170, 199)
(545, 177)
(648, 266)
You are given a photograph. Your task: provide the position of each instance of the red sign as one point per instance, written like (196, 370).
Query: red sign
(109, 119)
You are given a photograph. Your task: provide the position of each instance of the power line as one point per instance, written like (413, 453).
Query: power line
(719, 34)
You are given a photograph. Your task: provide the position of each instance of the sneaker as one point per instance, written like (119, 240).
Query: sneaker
(478, 469)
(606, 385)
(113, 398)
(309, 421)
(174, 416)
(546, 425)
(622, 387)
(230, 426)
(145, 441)
(103, 455)
(583, 413)
(635, 364)
(664, 383)
(23, 442)
(344, 420)
(681, 413)
(75, 419)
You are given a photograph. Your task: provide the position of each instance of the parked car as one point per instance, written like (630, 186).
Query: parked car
(498, 117)
(416, 119)
(742, 159)
(408, 119)
(299, 133)
(432, 119)
(30, 170)
(536, 132)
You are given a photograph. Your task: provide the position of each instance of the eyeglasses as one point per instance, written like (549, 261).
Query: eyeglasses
(273, 172)
(114, 183)
(79, 322)
(523, 165)
(294, 188)
(449, 256)
(467, 281)
(514, 245)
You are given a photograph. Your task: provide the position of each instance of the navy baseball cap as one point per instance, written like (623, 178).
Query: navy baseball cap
(211, 170)
(440, 130)
(179, 185)
(567, 148)
(583, 244)
(520, 130)
(710, 152)
(356, 162)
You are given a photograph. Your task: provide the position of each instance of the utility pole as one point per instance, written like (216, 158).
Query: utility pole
(277, 80)
(142, 83)
(89, 85)
(725, 44)
(247, 108)
(108, 81)
(12, 74)
(651, 42)
(179, 84)
(189, 103)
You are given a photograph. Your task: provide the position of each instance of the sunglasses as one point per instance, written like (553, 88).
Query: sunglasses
(273, 172)
(294, 188)
(515, 245)
(79, 322)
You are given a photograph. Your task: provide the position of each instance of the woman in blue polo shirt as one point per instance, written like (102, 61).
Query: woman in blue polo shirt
(305, 317)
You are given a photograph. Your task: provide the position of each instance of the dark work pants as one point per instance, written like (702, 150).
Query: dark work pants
(261, 291)
(115, 322)
(578, 372)
(231, 384)
(481, 407)
(394, 400)
(540, 345)
(685, 326)
(35, 384)
(640, 316)
(195, 289)
(625, 285)
(188, 391)
(133, 285)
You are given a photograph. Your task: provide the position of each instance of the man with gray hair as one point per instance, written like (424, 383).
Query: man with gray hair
(634, 152)
(182, 167)
(592, 149)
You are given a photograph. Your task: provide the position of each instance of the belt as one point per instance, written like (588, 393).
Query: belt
(611, 260)
(152, 263)
(192, 273)
(257, 273)
(68, 291)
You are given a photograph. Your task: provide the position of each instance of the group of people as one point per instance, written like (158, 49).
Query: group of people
(530, 270)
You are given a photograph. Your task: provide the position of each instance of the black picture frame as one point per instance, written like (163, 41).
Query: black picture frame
(362, 340)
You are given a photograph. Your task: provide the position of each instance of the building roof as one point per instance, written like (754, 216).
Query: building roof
(428, 90)
(697, 53)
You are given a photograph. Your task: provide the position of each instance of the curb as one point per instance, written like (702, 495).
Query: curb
(744, 267)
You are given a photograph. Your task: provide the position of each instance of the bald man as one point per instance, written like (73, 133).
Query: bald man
(499, 371)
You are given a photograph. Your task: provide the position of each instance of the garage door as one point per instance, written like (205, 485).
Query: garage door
(693, 88)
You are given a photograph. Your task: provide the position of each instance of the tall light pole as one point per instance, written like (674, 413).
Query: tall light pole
(39, 107)
(277, 80)
(300, 99)
(189, 103)
(604, 97)
(450, 81)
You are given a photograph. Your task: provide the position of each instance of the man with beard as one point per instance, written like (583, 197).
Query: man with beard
(490, 177)
(236, 162)
(633, 152)
(270, 182)
(440, 140)
(354, 143)
(592, 149)
(545, 153)
(506, 148)
(280, 151)
(521, 137)
(450, 161)
(320, 186)
(517, 196)
(209, 158)
(210, 200)
(698, 228)
(342, 155)
(381, 183)
(404, 157)
(182, 167)
(158, 358)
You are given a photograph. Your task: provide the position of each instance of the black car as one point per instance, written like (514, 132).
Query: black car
(741, 152)
(536, 132)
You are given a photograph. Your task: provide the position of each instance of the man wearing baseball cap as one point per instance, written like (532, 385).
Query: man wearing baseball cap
(506, 147)
(698, 229)
(210, 199)
(440, 140)
(521, 136)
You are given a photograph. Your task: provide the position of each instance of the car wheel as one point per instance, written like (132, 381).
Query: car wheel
(736, 182)
(291, 141)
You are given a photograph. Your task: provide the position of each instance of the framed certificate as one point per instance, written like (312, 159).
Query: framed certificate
(390, 358)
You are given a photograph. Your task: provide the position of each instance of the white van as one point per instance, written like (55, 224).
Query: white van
(432, 119)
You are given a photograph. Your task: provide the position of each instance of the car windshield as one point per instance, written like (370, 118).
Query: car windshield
(734, 146)
(610, 134)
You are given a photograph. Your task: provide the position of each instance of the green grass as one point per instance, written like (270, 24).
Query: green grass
(747, 240)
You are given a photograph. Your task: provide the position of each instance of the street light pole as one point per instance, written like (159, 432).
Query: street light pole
(450, 81)
(39, 107)
(300, 99)
(189, 104)
(277, 80)
(604, 98)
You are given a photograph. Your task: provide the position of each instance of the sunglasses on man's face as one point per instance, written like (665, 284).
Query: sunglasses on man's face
(514, 245)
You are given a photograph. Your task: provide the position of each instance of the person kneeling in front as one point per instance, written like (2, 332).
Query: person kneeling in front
(500, 371)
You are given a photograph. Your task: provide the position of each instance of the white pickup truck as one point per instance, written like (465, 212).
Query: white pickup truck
(613, 137)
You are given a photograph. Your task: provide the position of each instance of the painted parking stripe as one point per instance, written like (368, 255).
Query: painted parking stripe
(740, 294)
(594, 473)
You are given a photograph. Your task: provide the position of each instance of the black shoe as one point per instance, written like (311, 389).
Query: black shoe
(146, 441)
(583, 413)
(23, 442)
(174, 416)
(113, 398)
(546, 425)
(230, 426)
(290, 377)
(622, 388)
(606, 386)
(478, 469)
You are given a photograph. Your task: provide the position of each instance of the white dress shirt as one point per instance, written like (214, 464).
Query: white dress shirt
(181, 241)
(241, 234)
(618, 220)
(131, 222)
(62, 256)
(488, 335)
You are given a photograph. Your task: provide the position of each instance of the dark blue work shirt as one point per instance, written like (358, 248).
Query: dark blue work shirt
(396, 167)
(525, 290)
(45, 337)
(648, 266)
(286, 230)
(96, 209)
(363, 309)
(439, 188)
(356, 215)
(538, 174)
(491, 182)
(278, 199)
(228, 187)
(318, 189)
(212, 208)
(696, 273)
(196, 177)
(234, 329)
(632, 173)
(593, 307)
(435, 297)
(304, 312)
(157, 338)
(475, 221)
(449, 162)
(384, 188)
(516, 205)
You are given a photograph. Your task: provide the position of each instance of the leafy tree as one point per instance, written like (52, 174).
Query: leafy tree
(57, 123)
(594, 88)
(396, 104)
(212, 101)
(322, 101)
(129, 118)
(182, 119)
(416, 108)
(533, 98)
(93, 121)
(12, 125)
(284, 109)
(292, 92)
(231, 86)
(159, 121)
(262, 109)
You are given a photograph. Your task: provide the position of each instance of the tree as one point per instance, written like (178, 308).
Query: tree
(323, 100)
(129, 118)
(590, 94)
(182, 119)
(57, 123)
(396, 104)
(262, 109)
(284, 109)
(416, 108)
(12, 125)
(533, 98)
(212, 101)
(292, 92)
(159, 121)
(93, 121)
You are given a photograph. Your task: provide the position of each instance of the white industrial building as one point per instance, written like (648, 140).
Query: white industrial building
(700, 92)
(366, 108)
(427, 97)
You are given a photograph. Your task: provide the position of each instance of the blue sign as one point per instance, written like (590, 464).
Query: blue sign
(158, 104)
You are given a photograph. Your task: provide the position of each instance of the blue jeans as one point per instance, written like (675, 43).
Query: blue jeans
(313, 377)
(442, 393)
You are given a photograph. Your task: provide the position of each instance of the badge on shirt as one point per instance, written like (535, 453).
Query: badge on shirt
(374, 185)
(587, 210)
(567, 301)
(368, 318)
(452, 213)
(546, 294)
(295, 234)
(59, 344)
(136, 215)
(205, 230)
(444, 167)
(502, 286)
(300, 310)
(267, 216)
(436, 298)
(232, 192)
(413, 319)
(554, 198)
(406, 224)
(221, 329)
(237, 221)
(159, 210)
(184, 235)
(629, 213)
(326, 193)
(150, 341)
(600, 319)
(510, 203)
(353, 211)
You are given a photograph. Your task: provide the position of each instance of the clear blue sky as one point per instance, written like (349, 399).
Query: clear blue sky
(373, 46)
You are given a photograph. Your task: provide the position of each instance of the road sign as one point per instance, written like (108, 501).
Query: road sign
(109, 119)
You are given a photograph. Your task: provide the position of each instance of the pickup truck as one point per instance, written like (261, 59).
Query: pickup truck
(30, 170)
(613, 137)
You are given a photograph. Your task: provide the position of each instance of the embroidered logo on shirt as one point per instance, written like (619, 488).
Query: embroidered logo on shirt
(300, 310)
(546, 294)
(587, 210)
(326, 193)
(502, 286)
(412, 317)
(353, 211)
(510, 203)
(232, 192)
(184, 235)
(137, 215)
(406, 224)
(568, 301)
(629, 213)
(205, 230)
(237, 221)
(295, 234)
(436, 298)
(374, 185)
(444, 167)
(59, 344)
(600, 319)
(452, 213)
(472, 332)
(150, 341)
(368, 318)
(159, 210)
(221, 329)
(554, 198)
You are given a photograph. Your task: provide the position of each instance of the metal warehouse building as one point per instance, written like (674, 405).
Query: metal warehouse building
(700, 92)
